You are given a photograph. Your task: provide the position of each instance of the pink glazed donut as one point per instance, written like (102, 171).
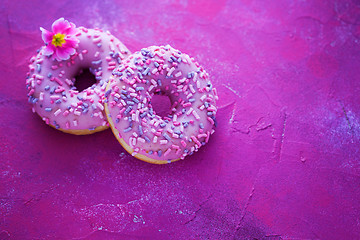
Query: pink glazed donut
(50, 81)
(144, 134)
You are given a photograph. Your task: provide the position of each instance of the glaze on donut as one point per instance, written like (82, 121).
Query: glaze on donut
(144, 134)
(50, 82)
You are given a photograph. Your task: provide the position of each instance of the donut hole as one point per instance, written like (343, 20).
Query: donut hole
(84, 79)
(161, 104)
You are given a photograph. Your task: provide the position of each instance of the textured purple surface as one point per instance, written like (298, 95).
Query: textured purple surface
(283, 164)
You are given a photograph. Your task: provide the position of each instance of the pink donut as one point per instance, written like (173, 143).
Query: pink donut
(50, 81)
(136, 125)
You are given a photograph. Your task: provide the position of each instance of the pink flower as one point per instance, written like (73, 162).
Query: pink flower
(61, 42)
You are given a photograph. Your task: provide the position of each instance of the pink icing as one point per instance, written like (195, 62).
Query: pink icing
(50, 82)
(167, 71)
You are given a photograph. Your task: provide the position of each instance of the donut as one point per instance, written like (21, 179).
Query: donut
(50, 81)
(132, 118)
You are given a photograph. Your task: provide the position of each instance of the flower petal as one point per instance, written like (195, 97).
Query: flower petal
(48, 50)
(46, 35)
(60, 25)
(64, 53)
(72, 30)
(71, 42)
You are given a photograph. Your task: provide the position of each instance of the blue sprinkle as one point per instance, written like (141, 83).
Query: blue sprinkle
(201, 125)
(190, 75)
(173, 58)
(123, 96)
(143, 115)
(209, 113)
(151, 152)
(52, 90)
(92, 128)
(185, 124)
(49, 75)
(130, 103)
(85, 110)
(159, 153)
(140, 75)
(48, 109)
(124, 92)
(99, 45)
(185, 150)
(151, 55)
(206, 104)
(93, 106)
(116, 99)
(38, 68)
(159, 82)
(57, 126)
(117, 120)
(181, 136)
(135, 100)
(177, 132)
(156, 64)
(86, 105)
(35, 100)
(179, 60)
(58, 101)
(146, 139)
(139, 88)
(166, 136)
(128, 110)
(117, 73)
(127, 129)
(162, 124)
(146, 71)
(183, 110)
(141, 130)
(107, 93)
(97, 62)
(79, 97)
(192, 100)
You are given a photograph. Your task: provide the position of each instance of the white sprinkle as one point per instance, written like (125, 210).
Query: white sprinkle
(57, 112)
(170, 71)
(155, 139)
(196, 115)
(100, 106)
(189, 111)
(178, 74)
(75, 123)
(81, 56)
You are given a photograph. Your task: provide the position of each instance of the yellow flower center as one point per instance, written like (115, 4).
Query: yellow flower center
(58, 40)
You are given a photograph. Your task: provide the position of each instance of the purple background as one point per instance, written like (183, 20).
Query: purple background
(283, 164)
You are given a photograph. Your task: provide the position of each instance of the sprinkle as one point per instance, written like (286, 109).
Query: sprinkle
(48, 109)
(100, 106)
(127, 129)
(210, 120)
(167, 152)
(97, 62)
(146, 71)
(166, 136)
(189, 111)
(75, 123)
(183, 143)
(163, 142)
(38, 68)
(139, 88)
(57, 112)
(196, 115)
(155, 139)
(170, 71)
(159, 153)
(178, 74)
